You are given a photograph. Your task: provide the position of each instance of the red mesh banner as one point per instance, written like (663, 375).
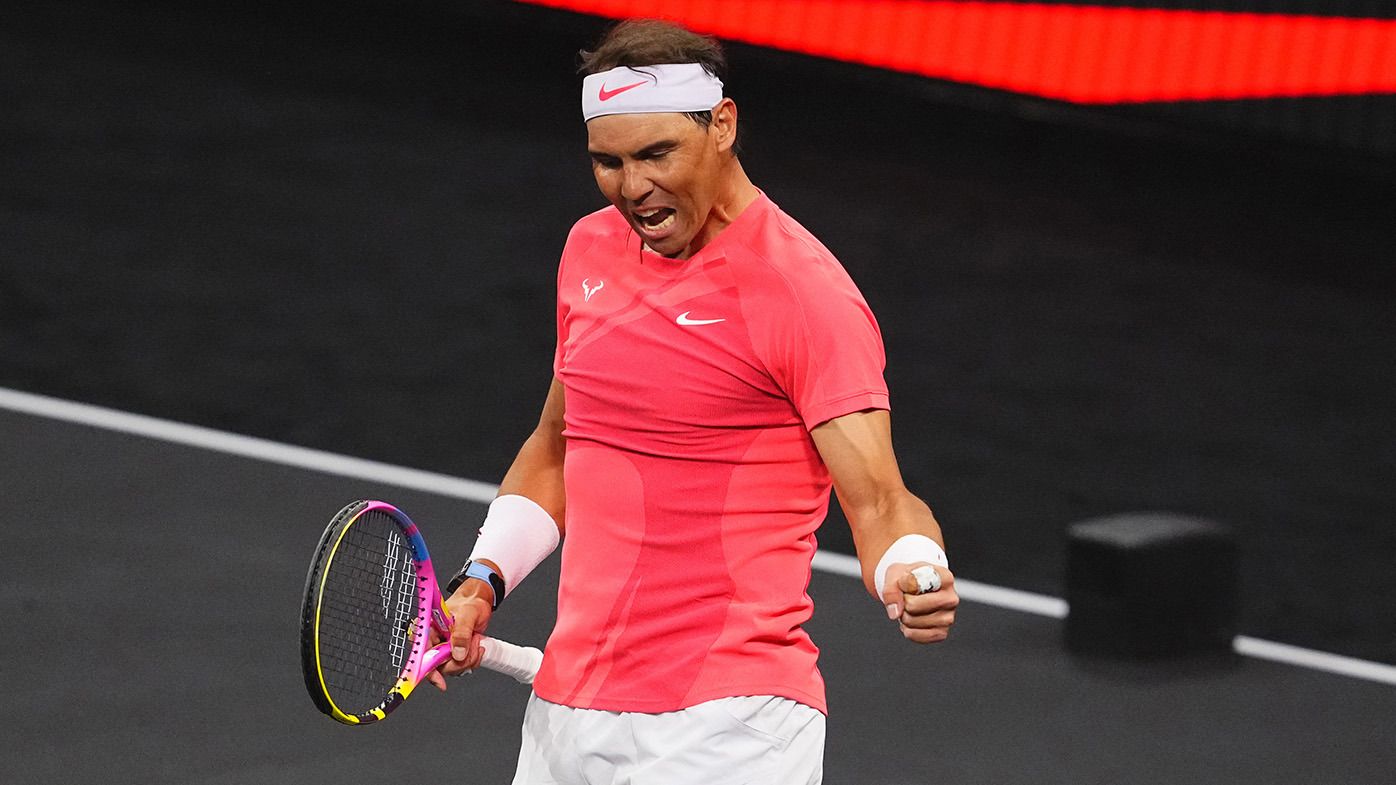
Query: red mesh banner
(1079, 53)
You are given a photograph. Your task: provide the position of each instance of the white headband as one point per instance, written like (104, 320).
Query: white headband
(675, 87)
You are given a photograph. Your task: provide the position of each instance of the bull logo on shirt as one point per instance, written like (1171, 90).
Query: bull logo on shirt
(590, 287)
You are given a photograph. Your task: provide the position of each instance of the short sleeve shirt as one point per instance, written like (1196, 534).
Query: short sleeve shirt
(693, 486)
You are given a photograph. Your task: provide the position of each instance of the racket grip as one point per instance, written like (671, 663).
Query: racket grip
(518, 662)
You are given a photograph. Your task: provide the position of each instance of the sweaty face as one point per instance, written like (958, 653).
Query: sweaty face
(661, 171)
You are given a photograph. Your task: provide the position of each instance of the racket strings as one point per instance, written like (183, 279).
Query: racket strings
(368, 613)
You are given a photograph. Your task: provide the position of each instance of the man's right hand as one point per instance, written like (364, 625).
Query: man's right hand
(470, 608)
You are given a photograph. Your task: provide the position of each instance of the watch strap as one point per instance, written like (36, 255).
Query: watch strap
(479, 571)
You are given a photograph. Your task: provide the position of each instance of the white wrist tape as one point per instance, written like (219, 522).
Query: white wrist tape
(909, 549)
(517, 535)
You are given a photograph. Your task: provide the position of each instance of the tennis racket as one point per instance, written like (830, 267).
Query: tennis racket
(371, 601)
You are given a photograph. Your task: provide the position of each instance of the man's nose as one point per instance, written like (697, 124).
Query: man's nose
(634, 185)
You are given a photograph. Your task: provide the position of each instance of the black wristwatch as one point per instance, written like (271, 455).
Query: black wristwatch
(479, 571)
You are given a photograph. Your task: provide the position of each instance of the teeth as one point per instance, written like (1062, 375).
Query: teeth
(644, 217)
(662, 225)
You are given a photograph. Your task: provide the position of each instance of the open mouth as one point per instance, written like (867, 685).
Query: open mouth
(655, 220)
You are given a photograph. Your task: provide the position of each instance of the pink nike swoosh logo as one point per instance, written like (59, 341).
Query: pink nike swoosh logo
(606, 95)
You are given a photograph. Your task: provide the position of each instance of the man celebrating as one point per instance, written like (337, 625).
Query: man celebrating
(716, 372)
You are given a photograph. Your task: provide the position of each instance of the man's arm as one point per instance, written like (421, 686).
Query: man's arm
(857, 448)
(537, 470)
(536, 474)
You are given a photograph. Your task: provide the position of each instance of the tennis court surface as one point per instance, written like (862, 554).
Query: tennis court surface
(151, 602)
(337, 225)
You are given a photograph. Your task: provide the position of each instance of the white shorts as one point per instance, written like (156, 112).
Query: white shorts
(750, 740)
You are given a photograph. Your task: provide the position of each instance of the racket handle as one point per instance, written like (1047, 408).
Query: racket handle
(518, 662)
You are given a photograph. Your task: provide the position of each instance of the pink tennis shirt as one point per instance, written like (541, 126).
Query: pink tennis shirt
(693, 486)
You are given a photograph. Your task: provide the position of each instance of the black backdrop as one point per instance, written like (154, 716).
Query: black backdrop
(336, 225)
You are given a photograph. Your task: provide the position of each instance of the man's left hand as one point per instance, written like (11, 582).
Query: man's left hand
(923, 617)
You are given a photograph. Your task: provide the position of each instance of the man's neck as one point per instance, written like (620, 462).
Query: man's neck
(737, 195)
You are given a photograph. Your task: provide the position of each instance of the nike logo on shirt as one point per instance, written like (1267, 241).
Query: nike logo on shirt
(687, 322)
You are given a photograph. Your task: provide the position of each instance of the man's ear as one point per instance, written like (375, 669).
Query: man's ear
(724, 124)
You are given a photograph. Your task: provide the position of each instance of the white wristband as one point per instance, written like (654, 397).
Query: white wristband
(909, 549)
(517, 535)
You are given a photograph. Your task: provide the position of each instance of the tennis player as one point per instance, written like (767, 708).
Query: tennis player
(716, 372)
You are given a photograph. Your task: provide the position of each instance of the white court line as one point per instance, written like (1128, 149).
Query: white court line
(1315, 660)
(974, 591)
(471, 490)
(246, 446)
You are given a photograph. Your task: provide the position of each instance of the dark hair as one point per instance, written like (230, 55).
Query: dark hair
(640, 42)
